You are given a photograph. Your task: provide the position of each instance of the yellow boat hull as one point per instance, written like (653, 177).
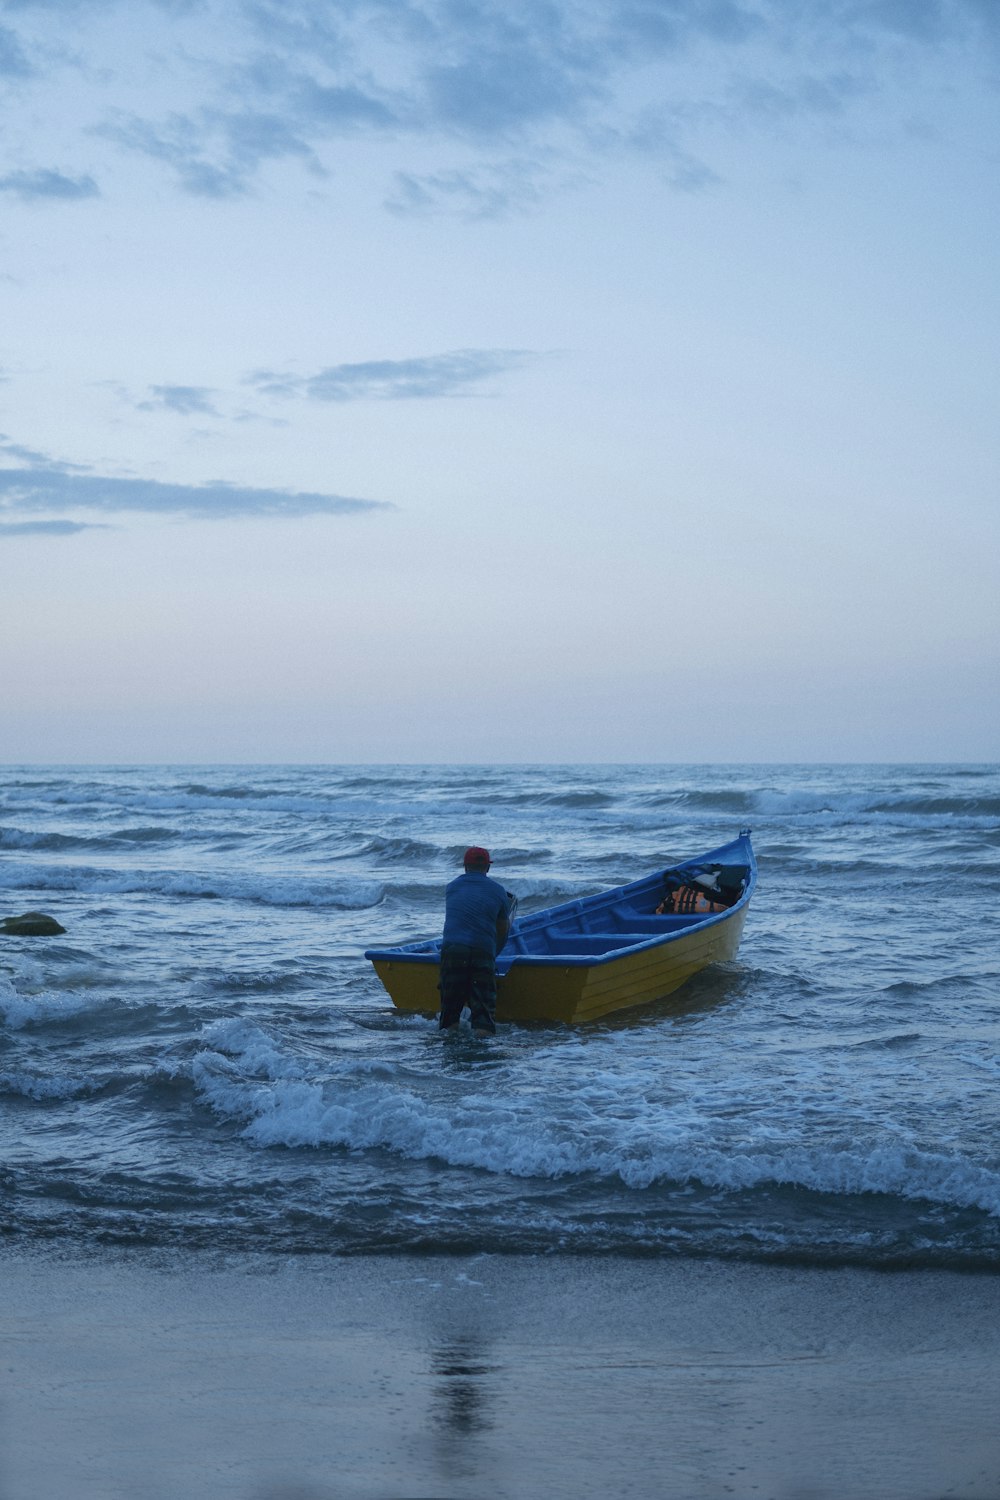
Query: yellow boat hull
(547, 990)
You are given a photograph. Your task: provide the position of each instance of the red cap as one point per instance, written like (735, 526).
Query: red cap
(477, 857)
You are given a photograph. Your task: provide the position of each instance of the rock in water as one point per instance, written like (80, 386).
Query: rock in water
(30, 924)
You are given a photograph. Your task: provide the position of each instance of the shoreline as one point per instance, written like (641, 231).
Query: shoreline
(135, 1375)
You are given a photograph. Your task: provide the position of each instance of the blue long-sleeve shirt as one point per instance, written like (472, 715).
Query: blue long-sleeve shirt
(473, 904)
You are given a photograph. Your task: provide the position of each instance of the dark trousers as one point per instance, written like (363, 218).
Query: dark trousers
(468, 978)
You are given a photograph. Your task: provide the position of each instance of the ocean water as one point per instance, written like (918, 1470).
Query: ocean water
(206, 1060)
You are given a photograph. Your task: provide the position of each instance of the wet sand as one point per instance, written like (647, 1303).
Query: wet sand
(175, 1378)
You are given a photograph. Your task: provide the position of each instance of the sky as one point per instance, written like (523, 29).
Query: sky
(499, 380)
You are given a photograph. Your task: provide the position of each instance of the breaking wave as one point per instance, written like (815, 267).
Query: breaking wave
(246, 1077)
(49, 1007)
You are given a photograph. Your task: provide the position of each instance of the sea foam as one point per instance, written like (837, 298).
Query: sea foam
(249, 1078)
(46, 1007)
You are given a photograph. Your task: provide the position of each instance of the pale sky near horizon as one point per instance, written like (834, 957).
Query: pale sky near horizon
(456, 380)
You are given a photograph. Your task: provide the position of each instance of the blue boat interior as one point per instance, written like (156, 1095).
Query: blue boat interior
(618, 929)
(593, 928)
(600, 926)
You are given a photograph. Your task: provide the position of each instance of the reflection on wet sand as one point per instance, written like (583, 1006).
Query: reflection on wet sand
(464, 1394)
(462, 1390)
(494, 1378)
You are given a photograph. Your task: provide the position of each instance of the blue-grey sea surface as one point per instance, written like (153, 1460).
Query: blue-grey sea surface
(205, 1058)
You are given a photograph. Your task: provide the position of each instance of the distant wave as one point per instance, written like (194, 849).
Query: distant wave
(398, 850)
(582, 799)
(347, 893)
(401, 850)
(747, 802)
(553, 890)
(23, 838)
(514, 789)
(239, 793)
(535, 889)
(72, 796)
(253, 799)
(940, 807)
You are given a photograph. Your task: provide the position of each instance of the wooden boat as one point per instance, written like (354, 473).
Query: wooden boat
(587, 958)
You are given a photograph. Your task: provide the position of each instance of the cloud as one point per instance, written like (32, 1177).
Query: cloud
(921, 20)
(47, 528)
(659, 27)
(214, 153)
(476, 70)
(507, 88)
(986, 15)
(687, 175)
(435, 375)
(489, 191)
(340, 109)
(458, 373)
(185, 400)
(810, 94)
(552, 82)
(431, 70)
(59, 488)
(13, 62)
(30, 457)
(47, 184)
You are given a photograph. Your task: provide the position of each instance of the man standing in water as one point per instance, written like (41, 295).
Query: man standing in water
(476, 923)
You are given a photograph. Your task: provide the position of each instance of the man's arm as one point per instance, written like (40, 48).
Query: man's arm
(504, 919)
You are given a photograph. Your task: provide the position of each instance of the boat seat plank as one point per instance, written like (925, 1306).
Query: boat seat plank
(654, 923)
(617, 933)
